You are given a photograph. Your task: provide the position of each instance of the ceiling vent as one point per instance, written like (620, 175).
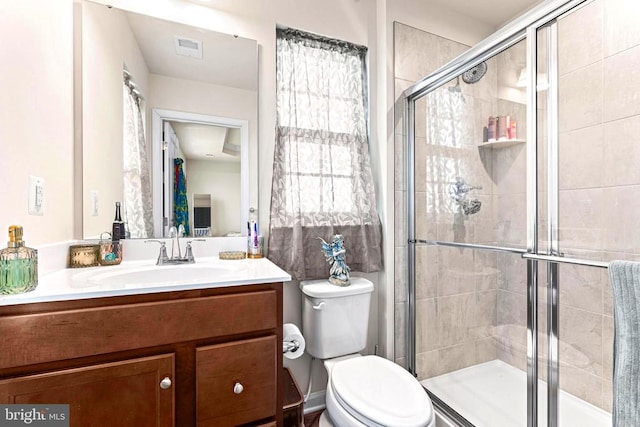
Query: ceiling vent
(188, 47)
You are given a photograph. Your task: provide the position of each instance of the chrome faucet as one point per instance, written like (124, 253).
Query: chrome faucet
(163, 258)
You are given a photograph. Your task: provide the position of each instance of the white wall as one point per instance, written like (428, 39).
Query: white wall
(36, 116)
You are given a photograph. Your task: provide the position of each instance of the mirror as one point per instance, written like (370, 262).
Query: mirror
(154, 91)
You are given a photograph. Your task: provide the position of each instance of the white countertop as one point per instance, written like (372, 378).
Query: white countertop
(144, 277)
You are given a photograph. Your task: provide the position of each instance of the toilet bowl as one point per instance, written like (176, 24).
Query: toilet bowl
(369, 391)
(362, 391)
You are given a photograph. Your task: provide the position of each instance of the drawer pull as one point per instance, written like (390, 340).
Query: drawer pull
(238, 388)
(165, 383)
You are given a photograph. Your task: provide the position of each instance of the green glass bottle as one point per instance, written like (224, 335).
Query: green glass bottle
(18, 265)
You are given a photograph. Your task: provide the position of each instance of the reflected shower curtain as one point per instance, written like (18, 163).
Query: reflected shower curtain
(448, 130)
(180, 203)
(138, 214)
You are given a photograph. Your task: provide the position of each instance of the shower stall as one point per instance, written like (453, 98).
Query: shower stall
(517, 170)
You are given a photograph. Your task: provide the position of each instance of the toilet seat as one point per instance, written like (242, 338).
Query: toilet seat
(380, 393)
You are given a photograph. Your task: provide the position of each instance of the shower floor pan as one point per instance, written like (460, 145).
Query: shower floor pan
(493, 394)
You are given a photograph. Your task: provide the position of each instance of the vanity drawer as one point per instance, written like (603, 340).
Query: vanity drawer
(236, 382)
(69, 334)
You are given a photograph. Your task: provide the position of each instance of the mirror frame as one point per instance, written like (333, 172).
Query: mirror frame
(158, 116)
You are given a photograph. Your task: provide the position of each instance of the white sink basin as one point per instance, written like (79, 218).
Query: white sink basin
(152, 275)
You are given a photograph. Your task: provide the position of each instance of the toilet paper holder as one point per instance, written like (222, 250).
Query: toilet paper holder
(293, 343)
(290, 346)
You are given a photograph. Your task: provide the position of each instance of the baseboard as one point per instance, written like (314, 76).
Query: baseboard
(315, 402)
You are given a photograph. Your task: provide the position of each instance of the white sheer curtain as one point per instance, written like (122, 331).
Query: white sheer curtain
(137, 201)
(322, 181)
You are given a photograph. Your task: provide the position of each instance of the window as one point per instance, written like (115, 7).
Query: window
(322, 182)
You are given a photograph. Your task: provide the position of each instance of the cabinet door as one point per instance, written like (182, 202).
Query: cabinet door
(125, 393)
(236, 382)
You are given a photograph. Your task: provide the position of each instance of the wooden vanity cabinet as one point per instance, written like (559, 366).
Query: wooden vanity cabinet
(191, 358)
(124, 393)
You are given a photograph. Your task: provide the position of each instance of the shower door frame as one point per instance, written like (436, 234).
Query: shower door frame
(526, 28)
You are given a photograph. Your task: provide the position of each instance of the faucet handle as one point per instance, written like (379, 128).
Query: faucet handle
(162, 256)
(188, 255)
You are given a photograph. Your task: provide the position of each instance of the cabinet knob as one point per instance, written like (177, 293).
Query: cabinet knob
(238, 388)
(165, 383)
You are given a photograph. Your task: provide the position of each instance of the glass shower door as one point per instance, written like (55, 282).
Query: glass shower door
(471, 223)
(598, 149)
(509, 239)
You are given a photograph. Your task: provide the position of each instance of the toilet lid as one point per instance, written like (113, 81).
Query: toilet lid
(379, 392)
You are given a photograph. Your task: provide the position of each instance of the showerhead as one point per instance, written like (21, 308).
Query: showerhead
(470, 207)
(473, 75)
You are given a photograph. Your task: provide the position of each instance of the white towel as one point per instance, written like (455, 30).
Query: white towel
(625, 280)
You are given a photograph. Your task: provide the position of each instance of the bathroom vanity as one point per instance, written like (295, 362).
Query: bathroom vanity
(207, 355)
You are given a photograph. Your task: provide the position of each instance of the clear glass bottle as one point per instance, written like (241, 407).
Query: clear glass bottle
(18, 265)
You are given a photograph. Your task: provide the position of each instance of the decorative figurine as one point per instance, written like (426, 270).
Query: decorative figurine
(335, 254)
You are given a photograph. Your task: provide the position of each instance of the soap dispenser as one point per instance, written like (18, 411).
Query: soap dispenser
(18, 265)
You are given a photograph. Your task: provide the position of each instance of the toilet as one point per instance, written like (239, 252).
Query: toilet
(362, 391)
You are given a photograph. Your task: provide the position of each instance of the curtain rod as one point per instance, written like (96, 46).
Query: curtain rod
(133, 87)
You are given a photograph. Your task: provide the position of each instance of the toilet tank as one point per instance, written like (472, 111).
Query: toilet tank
(335, 319)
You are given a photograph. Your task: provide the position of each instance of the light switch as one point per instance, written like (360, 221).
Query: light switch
(36, 195)
(94, 202)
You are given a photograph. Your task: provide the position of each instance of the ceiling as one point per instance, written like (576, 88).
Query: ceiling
(227, 60)
(205, 142)
(493, 12)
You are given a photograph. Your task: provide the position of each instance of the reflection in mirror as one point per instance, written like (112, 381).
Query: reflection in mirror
(201, 83)
(202, 215)
(199, 155)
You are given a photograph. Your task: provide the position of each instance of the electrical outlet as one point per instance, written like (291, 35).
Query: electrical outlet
(94, 202)
(36, 195)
